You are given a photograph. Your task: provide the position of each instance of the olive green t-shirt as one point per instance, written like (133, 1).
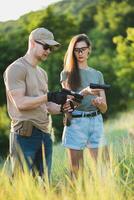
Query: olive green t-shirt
(87, 75)
(22, 75)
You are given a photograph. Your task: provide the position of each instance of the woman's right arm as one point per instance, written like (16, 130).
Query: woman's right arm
(64, 85)
(89, 91)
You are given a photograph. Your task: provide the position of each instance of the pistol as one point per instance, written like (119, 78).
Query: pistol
(100, 86)
(77, 97)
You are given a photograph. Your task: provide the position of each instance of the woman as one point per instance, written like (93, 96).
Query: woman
(86, 128)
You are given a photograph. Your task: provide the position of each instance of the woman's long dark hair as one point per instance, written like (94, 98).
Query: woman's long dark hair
(71, 64)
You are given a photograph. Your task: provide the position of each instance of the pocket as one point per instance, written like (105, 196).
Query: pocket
(26, 129)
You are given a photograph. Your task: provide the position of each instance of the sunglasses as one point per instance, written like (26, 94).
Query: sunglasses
(80, 50)
(45, 46)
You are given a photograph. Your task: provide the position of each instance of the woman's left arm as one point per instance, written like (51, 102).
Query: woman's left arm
(100, 102)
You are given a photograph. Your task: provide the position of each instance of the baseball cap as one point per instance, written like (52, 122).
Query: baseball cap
(43, 35)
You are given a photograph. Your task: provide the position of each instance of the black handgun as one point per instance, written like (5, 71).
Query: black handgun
(100, 86)
(77, 97)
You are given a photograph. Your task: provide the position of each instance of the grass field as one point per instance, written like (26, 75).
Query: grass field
(114, 181)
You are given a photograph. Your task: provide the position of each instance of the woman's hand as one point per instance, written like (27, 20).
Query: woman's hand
(89, 91)
(69, 106)
(100, 103)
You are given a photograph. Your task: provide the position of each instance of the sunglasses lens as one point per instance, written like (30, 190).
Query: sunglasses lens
(46, 46)
(80, 50)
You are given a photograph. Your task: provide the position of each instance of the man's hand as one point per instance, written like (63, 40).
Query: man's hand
(57, 97)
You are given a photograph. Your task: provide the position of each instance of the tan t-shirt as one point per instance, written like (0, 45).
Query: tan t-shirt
(20, 74)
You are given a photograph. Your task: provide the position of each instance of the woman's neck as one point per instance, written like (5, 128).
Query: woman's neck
(82, 65)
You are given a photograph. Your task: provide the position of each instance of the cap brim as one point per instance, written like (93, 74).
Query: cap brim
(52, 43)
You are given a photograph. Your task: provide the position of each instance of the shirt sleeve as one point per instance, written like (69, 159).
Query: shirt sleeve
(14, 78)
(101, 79)
(63, 76)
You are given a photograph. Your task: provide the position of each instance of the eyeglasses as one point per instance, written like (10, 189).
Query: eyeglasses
(45, 46)
(80, 50)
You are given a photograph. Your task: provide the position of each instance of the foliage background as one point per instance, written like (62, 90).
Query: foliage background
(109, 25)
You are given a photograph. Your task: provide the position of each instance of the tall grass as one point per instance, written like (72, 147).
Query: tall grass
(114, 181)
(109, 181)
(4, 127)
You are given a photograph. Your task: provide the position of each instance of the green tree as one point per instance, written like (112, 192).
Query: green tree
(101, 20)
(111, 19)
(63, 31)
(124, 63)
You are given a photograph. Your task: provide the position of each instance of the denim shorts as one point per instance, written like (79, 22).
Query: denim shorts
(84, 132)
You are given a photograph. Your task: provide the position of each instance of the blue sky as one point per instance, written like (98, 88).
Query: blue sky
(13, 9)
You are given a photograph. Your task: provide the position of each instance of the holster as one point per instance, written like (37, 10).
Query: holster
(26, 129)
(67, 119)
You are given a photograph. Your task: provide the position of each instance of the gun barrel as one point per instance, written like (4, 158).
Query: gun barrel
(99, 86)
(66, 91)
(78, 97)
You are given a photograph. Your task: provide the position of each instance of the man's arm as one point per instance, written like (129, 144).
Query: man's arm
(53, 108)
(23, 102)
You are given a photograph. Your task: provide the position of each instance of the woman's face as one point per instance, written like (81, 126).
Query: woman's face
(81, 51)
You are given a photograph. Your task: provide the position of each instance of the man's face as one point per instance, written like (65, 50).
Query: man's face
(42, 51)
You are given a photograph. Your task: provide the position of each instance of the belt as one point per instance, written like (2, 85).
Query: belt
(93, 114)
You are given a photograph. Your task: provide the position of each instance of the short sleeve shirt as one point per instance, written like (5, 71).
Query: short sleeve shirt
(88, 75)
(34, 81)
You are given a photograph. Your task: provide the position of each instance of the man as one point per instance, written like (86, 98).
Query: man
(28, 100)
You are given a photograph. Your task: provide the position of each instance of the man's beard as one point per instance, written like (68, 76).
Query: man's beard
(41, 58)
